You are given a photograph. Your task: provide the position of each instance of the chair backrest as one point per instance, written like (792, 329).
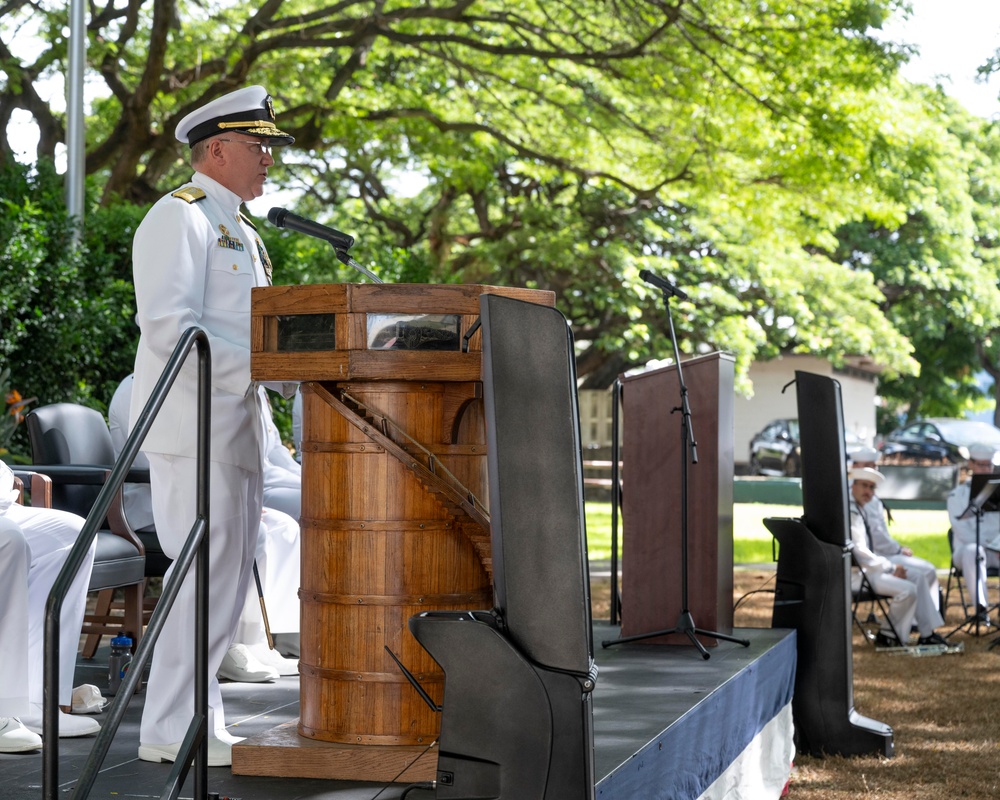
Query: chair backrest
(67, 433)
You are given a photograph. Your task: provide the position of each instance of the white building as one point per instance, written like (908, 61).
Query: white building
(858, 384)
(858, 387)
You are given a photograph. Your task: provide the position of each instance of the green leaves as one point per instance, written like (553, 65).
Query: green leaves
(764, 156)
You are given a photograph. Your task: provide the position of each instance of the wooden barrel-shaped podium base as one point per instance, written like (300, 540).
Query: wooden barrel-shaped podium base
(378, 548)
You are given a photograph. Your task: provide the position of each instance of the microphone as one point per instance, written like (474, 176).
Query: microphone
(283, 218)
(654, 280)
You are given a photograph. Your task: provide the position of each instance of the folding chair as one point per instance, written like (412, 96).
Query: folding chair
(867, 594)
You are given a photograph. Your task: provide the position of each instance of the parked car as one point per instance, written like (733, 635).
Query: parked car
(775, 450)
(937, 440)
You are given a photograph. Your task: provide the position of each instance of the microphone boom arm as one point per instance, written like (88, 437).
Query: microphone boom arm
(344, 257)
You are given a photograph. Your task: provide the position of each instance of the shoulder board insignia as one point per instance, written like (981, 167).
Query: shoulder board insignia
(247, 220)
(190, 194)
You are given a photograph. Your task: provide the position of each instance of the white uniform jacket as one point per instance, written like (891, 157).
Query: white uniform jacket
(195, 260)
(964, 530)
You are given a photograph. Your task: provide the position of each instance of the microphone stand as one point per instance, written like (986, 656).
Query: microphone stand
(689, 447)
(344, 258)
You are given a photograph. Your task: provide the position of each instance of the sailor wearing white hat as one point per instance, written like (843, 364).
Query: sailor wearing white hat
(918, 570)
(196, 258)
(884, 576)
(963, 531)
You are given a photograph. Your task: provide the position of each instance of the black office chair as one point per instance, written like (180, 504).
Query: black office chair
(72, 445)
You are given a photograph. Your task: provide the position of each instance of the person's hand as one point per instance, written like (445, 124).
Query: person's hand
(900, 571)
(906, 551)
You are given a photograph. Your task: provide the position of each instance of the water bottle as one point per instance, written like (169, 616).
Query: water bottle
(118, 664)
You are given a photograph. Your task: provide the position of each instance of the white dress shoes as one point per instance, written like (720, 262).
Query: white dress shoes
(272, 658)
(69, 726)
(220, 753)
(240, 665)
(15, 738)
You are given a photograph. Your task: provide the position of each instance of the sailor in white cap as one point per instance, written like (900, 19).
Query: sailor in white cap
(964, 553)
(919, 570)
(909, 601)
(196, 257)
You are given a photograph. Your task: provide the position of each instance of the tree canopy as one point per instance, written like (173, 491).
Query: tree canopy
(764, 156)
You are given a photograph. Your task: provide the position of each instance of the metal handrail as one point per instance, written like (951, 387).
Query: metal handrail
(195, 547)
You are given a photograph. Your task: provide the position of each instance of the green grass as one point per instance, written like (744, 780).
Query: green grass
(925, 532)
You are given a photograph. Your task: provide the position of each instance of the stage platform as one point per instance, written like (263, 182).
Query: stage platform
(667, 724)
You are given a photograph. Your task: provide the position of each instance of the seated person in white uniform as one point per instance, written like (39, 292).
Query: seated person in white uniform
(279, 567)
(883, 544)
(964, 554)
(910, 600)
(248, 659)
(297, 424)
(34, 543)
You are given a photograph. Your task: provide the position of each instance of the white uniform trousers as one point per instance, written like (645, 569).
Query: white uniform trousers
(924, 575)
(902, 603)
(278, 567)
(234, 521)
(286, 499)
(964, 558)
(14, 559)
(50, 534)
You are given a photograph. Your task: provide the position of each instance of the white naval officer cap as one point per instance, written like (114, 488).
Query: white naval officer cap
(248, 110)
(864, 454)
(982, 452)
(866, 474)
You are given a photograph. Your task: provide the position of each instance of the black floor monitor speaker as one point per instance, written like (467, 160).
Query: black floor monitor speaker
(813, 586)
(517, 719)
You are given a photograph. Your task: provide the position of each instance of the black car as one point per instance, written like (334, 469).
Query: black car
(775, 450)
(937, 440)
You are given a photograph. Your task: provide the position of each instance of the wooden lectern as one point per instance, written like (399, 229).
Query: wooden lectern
(651, 500)
(394, 512)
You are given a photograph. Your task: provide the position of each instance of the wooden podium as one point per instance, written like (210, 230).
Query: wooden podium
(651, 500)
(394, 513)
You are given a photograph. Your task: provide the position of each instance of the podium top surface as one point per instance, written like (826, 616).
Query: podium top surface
(435, 298)
(347, 331)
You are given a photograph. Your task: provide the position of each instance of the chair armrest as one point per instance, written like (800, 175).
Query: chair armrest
(96, 475)
(85, 474)
(39, 486)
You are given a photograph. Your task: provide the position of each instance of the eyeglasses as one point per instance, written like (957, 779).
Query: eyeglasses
(258, 148)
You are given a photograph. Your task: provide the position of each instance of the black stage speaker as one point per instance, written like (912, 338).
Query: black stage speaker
(517, 719)
(813, 591)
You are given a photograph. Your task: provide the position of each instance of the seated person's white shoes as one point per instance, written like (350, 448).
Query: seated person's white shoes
(69, 726)
(220, 753)
(240, 665)
(15, 738)
(272, 658)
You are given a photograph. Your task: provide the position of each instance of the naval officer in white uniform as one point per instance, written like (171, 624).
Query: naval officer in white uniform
(196, 258)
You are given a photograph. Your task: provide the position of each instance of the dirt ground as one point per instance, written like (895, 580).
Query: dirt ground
(944, 712)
